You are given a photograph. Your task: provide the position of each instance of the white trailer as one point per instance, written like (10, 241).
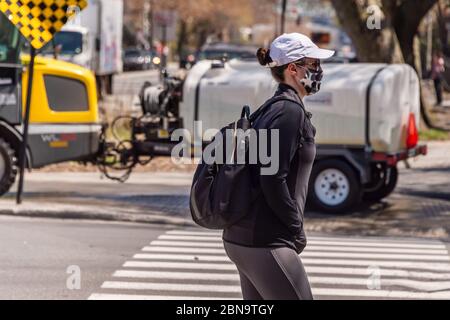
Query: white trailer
(93, 39)
(366, 115)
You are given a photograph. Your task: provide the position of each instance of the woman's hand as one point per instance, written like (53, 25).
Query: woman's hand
(300, 242)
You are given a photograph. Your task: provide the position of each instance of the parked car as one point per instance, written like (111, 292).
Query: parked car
(137, 59)
(226, 51)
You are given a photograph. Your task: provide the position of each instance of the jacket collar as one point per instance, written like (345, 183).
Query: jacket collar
(288, 91)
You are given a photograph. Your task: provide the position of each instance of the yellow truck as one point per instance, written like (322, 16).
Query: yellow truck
(64, 121)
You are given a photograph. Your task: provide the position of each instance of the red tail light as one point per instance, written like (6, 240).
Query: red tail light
(413, 134)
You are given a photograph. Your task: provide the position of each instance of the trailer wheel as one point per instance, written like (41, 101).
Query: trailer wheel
(334, 187)
(389, 179)
(8, 167)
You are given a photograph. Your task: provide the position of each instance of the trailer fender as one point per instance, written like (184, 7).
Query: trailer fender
(14, 138)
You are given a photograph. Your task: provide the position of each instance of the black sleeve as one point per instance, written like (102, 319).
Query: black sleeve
(275, 189)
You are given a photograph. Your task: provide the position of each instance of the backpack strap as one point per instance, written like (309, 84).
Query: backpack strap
(272, 101)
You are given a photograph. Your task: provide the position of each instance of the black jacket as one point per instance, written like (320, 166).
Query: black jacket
(276, 219)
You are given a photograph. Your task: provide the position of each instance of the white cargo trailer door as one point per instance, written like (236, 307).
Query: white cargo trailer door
(110, 55)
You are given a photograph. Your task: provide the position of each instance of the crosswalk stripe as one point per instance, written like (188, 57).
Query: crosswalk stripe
(310, 269)
(359, 293)
(171, 287)
(315, 241)
(443, 267)
(373, 239)
(376, 240)
(175, 275)
(132, 297)
(190, 238)
(183, 250)
(390, 264)
(308, 248)
(383, 272)
(181, 257)
(377, 245)
(193, 233)
(166, 275)
(180, 265)
(411, 284)
(218, 236)
(376, 256)
(309, 254)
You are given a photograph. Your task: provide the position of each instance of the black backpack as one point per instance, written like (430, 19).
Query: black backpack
(222, 194)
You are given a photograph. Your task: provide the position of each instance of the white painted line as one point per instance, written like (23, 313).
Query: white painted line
(308, 248)
(377, 240)
(371, 249)
(404, 265)
(383, 272)
(175, 275)
(411, 284)
(375, 256)
(194, 233)
(373, 263)
(321, 238)
(186, 244)
(180, 265)
(310, 269)
(358, 293)
(190, 238)
(316, 241)
(377, 245)
(130, 297)
(181, 257)
(183, 250)
(171, 287)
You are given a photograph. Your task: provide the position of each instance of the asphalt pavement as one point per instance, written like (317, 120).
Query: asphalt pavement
(37, 254)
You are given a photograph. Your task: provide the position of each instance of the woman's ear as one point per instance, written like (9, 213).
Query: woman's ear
(292, 69)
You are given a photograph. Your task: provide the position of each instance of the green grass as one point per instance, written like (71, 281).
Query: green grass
(434, 135)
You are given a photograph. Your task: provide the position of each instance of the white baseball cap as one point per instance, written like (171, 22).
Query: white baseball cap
(291, 47)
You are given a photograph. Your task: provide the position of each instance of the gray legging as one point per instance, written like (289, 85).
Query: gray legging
(270, 273)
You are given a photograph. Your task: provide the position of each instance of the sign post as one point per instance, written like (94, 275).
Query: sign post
(26, 121)
(38, 21)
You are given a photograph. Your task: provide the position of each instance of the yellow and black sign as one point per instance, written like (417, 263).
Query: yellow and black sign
(39, 20)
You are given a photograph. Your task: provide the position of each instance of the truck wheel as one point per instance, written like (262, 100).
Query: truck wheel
(8, 167)
(387, 185)
(334, 187)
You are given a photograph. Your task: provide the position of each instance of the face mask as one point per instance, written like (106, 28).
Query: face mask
(312, 81)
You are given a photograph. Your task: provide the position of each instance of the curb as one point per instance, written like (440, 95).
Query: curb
(68, 212)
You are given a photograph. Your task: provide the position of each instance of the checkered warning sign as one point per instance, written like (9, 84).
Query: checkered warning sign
(39, 20)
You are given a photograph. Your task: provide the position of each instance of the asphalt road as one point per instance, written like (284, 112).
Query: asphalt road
(35, 255)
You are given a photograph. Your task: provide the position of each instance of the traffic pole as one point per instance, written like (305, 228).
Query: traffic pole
(23, 151)
(283, 16)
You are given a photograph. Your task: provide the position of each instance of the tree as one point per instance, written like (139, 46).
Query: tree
(199, 19)
(395, 41)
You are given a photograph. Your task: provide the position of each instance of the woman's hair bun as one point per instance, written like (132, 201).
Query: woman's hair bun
(264, 56)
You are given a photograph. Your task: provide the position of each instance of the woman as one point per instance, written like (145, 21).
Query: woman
(265, 245)
(437, 72)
